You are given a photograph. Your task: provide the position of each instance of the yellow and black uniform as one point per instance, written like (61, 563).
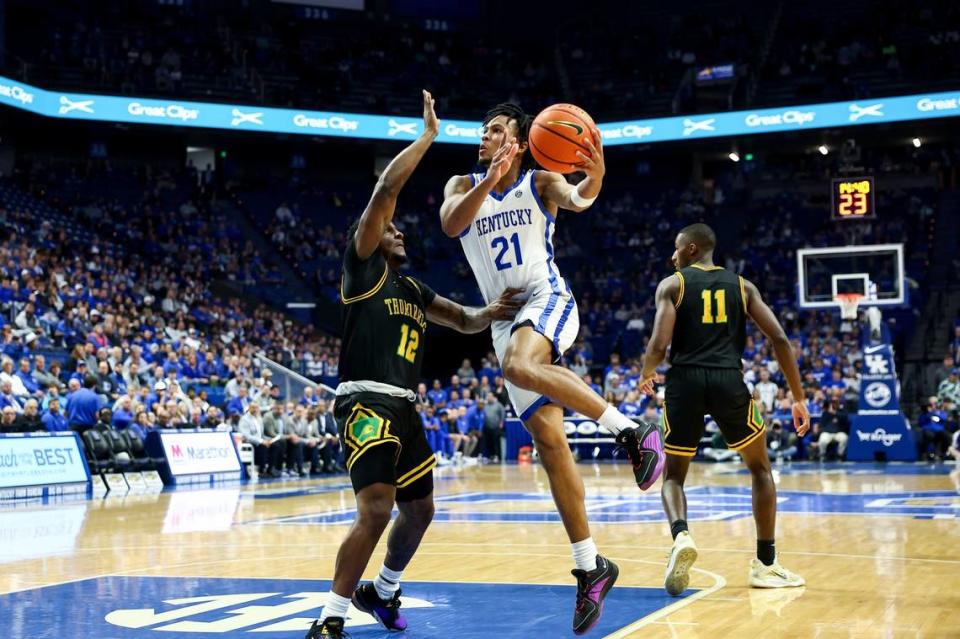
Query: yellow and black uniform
(384, 321)
(705, 377)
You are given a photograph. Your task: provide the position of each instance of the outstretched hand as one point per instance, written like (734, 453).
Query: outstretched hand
(431, 124)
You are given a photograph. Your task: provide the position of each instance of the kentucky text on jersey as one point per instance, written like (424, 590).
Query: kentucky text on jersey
(402, 307)
(504, 220)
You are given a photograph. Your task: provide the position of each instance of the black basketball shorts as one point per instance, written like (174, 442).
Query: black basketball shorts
(384, 442)
(695, 392)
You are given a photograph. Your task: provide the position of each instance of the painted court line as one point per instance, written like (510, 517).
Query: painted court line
(718, 583)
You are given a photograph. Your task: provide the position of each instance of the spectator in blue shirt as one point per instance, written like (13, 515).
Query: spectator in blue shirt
(454, 401)
(487, 370)
(53, 418)
(171, 364)
(239, 403)
(212, 369)
(123, 416)
(31, 384)
(613, 367)
(631, 404)
(81, 372)
(140, 425)
(436, 395)
(84, 405)
(835, 381)
(190, 371)
(7, 398)
(309, 398)
(932, 438)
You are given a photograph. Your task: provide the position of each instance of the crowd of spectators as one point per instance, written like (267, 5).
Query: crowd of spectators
(123, 331)
(858, 54)
(369, 60)
(147, 337)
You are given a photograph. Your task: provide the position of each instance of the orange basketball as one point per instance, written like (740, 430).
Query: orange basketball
(557, 134)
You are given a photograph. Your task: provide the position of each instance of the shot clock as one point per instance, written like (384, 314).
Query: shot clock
(852, 199)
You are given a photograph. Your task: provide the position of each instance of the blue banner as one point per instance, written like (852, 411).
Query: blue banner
(878, 384)
(82, 106)
(879, 429)
(888, 435)
(41, 460)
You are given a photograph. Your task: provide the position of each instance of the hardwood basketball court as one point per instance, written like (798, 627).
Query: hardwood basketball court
(875, 543)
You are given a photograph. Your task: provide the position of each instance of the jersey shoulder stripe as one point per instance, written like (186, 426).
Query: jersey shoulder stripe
(357, 298)
(536, 196)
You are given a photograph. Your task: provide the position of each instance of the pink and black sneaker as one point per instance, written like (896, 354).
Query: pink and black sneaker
(644, 446)
(592, 588)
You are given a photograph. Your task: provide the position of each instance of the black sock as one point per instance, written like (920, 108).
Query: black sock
(678, 527)
(766, 551)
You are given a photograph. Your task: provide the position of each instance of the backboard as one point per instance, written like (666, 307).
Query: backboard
(873, 270)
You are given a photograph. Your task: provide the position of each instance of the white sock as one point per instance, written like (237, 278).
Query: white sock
(585, 554)
(615, 421)
(336, 606)
(387, 582)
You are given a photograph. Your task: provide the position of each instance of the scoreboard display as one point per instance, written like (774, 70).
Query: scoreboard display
(852, 199)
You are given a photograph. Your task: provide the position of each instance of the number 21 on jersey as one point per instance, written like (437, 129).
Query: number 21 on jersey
(721, 298)
(409, 342)
(503, 245)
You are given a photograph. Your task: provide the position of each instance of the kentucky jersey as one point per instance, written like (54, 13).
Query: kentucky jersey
(384, 321)
(710, 331)
(510, 243)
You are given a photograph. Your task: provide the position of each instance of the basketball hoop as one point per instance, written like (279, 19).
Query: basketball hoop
(848, 304)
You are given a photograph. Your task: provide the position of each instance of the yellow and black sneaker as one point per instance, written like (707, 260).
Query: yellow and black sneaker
(331, 628)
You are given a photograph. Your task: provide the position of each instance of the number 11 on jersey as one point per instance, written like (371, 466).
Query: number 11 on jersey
(721, 297)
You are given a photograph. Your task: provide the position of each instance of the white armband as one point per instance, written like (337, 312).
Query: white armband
(578, 200)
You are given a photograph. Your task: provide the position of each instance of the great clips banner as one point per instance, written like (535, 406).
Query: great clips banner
(172, 112)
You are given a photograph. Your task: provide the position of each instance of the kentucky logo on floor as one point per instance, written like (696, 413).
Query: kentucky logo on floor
(204, 608)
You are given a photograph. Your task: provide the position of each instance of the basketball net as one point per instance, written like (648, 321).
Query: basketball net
(848, 304)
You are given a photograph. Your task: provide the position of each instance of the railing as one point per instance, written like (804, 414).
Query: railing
(292, 383)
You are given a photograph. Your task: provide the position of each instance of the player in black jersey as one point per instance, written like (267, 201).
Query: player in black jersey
(385, 317)
(702, 310)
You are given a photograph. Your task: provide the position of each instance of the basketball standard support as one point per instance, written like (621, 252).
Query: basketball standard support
(879, 430)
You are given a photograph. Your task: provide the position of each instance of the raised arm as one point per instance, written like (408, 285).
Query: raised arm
(462, 200)
(383, 203)
(555, 189)
(473, 320)
(767, 322)
(666, 300)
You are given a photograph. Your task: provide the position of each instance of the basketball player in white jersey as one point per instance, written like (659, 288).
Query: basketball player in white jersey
(505, 220)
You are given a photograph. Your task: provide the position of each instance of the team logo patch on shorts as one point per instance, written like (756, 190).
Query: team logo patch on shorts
(364, 430)
(364, 425)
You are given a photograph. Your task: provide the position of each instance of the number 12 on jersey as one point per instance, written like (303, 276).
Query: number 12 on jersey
(409, 342)
(503, 245)
(721, 298)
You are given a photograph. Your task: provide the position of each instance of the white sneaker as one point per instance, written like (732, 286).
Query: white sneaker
(774, 576)
(682, 556)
